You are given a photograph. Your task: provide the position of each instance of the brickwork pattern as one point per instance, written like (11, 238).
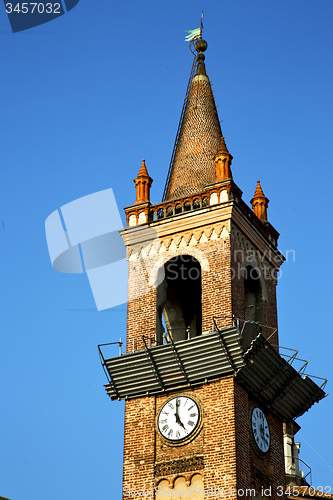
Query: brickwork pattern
(253, 470)
(221, 260)
(193, 166)
(216, 291)
(139, 444)
(222, 451)
(242, 437)
(176, 466)
(237, 285)
(141, 310)
(219, 431)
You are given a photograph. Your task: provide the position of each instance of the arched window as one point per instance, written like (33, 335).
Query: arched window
(178, 299)
(178, 209)
(196, 203)
(194, 490)
(253, 296)
(169, 211)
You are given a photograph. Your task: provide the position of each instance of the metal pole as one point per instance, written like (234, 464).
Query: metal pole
(120, 344)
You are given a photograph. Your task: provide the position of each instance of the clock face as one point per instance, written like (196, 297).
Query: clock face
(260, 430)
(178, 418)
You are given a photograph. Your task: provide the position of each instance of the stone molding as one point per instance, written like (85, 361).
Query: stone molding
(187, 464)
(179, 244)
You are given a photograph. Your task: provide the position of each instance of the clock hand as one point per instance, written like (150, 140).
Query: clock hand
(177, 418)
(178, 421)
(177, 411)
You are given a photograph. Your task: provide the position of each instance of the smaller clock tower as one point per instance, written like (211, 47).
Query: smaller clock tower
(206, 387)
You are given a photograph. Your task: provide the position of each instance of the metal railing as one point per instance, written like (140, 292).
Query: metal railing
(167, 338)
(239, 322)
(102, 359)
(300, 473)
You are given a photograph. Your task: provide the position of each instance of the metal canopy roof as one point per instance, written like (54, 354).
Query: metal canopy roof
(261, 370)
(287, 392)
(184, 363)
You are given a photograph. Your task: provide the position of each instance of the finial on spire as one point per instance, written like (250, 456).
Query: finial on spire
(259, 203)
(142, 184)
(223, 160)
(201, 46)
(195, 34)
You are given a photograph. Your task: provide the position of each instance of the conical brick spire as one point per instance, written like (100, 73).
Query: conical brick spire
(142, 184)
(259, 203)
(193, 165)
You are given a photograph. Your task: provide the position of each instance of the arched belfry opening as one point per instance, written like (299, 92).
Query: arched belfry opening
(253, 296)
(178, 300)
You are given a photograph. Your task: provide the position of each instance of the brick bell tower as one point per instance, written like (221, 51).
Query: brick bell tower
(206, 389)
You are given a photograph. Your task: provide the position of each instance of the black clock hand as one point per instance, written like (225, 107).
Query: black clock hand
(177, 418)
(179, 422)
(177, 411)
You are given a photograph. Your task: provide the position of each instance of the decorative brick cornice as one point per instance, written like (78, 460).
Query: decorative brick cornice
(179, 244)
(187, 464)
(212, 195)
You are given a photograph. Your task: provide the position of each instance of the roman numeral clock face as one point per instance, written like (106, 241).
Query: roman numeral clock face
(260, 430)
(178, 418)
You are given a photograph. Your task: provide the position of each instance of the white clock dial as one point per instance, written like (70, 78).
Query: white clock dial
(260, 430)
(178, 418)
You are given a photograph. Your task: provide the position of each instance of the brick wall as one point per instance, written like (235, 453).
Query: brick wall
(222, 286)
(222, 452)
(139, 445)
(237, 289)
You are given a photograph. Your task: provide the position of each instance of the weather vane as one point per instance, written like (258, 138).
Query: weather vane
(194, 34)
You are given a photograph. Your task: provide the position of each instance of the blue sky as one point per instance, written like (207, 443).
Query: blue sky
(83, 99)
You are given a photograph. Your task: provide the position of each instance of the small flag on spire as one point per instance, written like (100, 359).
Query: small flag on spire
(197, 33)
(193, 34)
